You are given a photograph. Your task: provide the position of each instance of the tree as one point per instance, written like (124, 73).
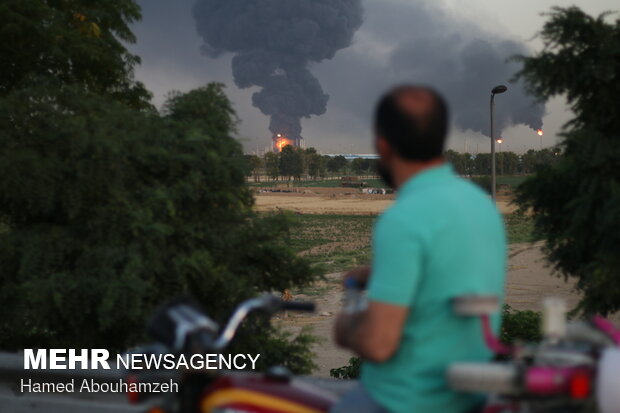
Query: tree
(272, 165)
(291, 162)
(76, 42)
(111, 211)
(482, 164)
(462, 162)
(108, 209)
(576, 200)
(508, 163)
(361, 166)
(207, 108)
(336, 164)
(316, 165)
(253, 166)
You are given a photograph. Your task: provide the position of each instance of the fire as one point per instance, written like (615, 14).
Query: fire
(540, 132)
(281, 142)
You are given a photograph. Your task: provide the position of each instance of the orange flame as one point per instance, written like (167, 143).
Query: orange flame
(281, 142)
(540, 132)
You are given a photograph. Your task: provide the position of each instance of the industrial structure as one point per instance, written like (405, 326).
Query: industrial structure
(281, 140)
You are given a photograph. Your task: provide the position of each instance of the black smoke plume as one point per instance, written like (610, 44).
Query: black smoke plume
(422, 42)
(274, 41)
(466, 69)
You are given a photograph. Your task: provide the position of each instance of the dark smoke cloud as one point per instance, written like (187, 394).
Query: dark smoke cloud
(419, 42)
(466, 70)
(273, 42)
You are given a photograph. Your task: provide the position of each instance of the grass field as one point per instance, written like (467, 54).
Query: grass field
(512, 180)
(338, 242)
(333, 242)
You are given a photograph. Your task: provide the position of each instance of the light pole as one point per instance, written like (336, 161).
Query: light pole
(495, 91)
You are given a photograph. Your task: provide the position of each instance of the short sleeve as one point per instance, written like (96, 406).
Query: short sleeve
(397, 261)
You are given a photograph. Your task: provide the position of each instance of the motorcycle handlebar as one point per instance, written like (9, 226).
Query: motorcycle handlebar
(182, 322)
(268, 303)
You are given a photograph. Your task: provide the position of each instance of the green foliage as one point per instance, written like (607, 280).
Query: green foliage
(576, 201)
(253, 165)
(332, 243)
(315, 163)
(520, 228)
(76, 42)
(463, 163)
(511, 180)
(362, 166)
(107, 209)
(281, 348)
(112, 211)
(520, 325)
(349, 372)
(206, 108)
(482, 164)
(532, 159)
(508, 163)
(291, 162)
(272, 165)
(336, 164)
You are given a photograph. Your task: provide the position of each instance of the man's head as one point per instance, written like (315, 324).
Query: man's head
(411, 124)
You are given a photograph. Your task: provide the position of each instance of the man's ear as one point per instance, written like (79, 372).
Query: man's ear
(383, 148)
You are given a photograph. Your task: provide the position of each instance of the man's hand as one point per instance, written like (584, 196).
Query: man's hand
(359, 274)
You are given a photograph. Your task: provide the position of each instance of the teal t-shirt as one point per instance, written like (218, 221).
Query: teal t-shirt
(442, 238)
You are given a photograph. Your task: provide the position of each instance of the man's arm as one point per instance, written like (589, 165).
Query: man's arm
(374, 334)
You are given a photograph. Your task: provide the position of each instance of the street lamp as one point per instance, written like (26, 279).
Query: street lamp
(495, 91)
(501, 157)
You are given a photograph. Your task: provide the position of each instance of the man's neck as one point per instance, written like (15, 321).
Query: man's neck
(406, 170)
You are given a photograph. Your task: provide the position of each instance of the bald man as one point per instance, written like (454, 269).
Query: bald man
(442, 238)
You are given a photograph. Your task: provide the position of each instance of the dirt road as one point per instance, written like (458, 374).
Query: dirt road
(355, 204)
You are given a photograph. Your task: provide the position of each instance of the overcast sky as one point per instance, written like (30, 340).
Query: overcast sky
(456, 46)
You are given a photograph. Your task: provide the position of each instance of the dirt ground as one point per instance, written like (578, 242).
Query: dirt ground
(323, 201)
(353, 205)
(529, 280)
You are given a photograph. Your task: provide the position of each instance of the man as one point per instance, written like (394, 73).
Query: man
(442, 238)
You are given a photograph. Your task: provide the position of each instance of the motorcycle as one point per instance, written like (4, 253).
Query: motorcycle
(575, 368)
(182, 328)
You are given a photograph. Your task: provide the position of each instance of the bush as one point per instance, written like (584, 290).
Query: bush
(520, 325)
(348, 372)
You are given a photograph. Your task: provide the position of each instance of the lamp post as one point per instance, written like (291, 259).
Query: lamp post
(495, 91)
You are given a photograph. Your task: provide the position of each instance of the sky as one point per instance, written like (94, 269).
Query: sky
(458, 47)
